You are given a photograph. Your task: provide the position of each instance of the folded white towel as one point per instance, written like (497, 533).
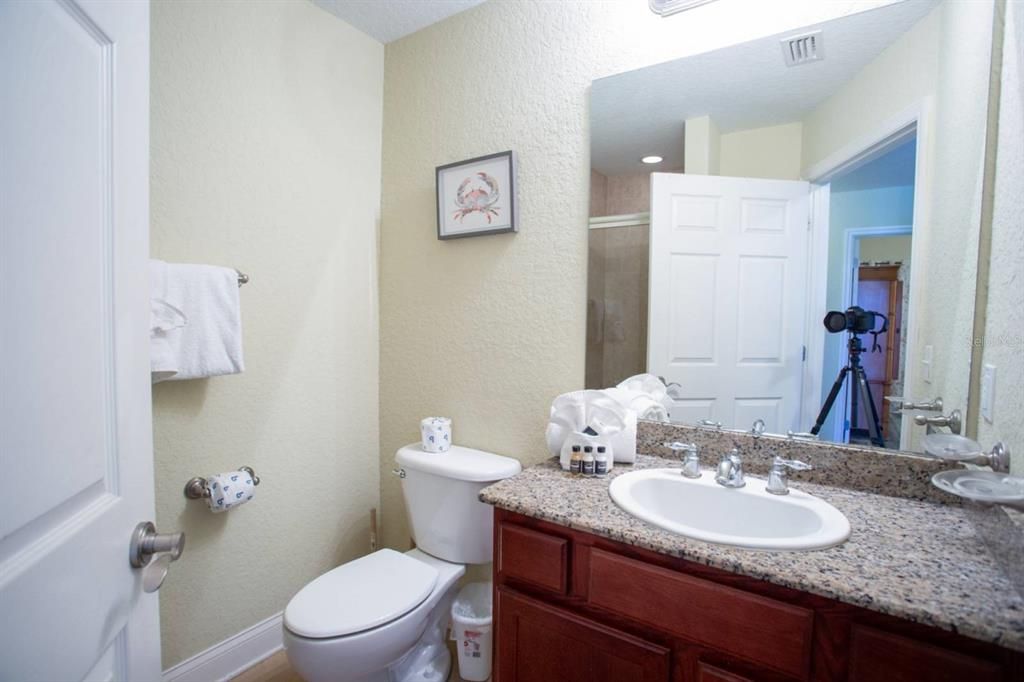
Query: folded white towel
(210, 342)
(165, 323)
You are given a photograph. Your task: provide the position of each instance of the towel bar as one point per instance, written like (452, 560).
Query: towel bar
(196, 488)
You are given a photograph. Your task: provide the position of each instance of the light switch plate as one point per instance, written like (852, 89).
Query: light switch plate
(926, 363)
(988, 391)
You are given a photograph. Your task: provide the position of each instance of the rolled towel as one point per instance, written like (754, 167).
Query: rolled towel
(645, 406)
(575, 411)
(210, 344)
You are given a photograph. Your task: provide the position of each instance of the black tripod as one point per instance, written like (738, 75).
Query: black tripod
(861, 379)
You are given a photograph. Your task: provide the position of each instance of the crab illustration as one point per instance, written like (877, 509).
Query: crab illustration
(477, 194)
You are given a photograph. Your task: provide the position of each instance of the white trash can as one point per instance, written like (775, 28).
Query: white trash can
(472, 614)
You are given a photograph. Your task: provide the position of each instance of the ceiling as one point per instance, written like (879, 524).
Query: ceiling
(744, 86)
(388, 20)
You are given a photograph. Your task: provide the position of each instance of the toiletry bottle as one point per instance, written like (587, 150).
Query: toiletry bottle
(601, 461)
(576, 461)
(588, 460)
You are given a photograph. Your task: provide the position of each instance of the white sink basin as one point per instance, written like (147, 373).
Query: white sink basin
(748, 517)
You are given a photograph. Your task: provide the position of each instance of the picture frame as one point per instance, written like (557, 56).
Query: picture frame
(477, 196)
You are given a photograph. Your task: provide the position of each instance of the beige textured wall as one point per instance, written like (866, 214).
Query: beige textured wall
(488, 330)
(266, 147)
(895, 81)
(701, 146)
(954, 214)
(771, 152)
(892, 249)
(1004, 332)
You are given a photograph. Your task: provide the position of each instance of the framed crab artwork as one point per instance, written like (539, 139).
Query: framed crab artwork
(476, 196)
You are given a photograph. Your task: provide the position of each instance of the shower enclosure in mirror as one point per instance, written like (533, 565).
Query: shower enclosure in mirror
(795, 239)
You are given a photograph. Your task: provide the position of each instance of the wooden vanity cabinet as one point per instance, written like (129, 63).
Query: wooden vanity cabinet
(570, 606)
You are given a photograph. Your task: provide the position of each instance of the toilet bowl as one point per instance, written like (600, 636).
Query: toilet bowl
(383, 617)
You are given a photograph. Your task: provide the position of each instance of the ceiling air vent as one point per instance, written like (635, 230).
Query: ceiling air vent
(803, 48)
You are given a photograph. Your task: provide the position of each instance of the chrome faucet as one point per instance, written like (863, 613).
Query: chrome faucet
(778, 476)
(691, 460)
(730, 471)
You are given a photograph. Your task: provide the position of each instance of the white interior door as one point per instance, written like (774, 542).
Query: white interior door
(75, 424)
(728, 293)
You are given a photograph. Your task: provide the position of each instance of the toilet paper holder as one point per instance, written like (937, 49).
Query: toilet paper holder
(197, 488)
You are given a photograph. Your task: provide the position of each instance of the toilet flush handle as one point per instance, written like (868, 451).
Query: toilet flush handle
(399, 472)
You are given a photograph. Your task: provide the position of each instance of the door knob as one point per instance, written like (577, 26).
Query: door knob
(146, 544)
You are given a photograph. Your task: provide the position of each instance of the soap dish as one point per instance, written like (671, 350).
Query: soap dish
(952, 447)
(982, 486)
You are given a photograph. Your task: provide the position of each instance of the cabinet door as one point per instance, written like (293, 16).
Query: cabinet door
(710, 673)
(537, 642)
(877, 655)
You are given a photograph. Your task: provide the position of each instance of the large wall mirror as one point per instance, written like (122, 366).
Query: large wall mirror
(786, 230)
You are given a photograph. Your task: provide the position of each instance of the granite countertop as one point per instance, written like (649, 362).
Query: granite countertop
(917, 560)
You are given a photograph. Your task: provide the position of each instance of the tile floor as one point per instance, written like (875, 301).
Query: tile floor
(276, 669)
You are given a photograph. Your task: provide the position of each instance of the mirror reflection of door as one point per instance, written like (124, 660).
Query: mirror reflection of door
(888, 138)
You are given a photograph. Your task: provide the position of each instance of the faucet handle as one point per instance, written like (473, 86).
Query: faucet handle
(794, 464)
(778, 481)
(691, 460)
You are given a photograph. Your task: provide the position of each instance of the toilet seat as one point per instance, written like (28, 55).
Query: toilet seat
(360, 595)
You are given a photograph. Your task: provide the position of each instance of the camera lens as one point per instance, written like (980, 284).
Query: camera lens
(835, 321)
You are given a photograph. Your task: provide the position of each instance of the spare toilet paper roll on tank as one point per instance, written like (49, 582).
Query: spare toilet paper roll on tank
(436, 434)
(229, 490)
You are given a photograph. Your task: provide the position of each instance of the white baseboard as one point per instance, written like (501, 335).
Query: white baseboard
(236, 653)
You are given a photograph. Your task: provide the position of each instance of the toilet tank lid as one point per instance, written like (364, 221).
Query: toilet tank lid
(459, 463)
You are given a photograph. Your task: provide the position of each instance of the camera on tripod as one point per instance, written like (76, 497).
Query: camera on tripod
(855, 320)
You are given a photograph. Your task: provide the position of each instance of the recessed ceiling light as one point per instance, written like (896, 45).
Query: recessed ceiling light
(651, 159)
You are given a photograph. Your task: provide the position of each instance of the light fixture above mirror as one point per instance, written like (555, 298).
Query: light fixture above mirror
(666, 7)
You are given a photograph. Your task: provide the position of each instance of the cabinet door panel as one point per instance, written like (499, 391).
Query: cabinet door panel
(710, 673)
(877, 655)
(755, 628)
(535, 558)
(540, 643)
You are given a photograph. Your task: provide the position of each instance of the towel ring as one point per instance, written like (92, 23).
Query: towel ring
(197, 487)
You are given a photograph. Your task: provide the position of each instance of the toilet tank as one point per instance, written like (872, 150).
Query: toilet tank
(447, 519)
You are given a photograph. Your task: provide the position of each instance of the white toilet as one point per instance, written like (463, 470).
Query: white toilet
(382, 617)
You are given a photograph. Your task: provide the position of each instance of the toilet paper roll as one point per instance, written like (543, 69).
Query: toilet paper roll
(436, 434)
(229, 490)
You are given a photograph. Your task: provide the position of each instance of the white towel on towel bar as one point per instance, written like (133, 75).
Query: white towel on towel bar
(210, 342)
